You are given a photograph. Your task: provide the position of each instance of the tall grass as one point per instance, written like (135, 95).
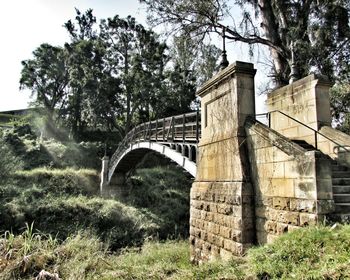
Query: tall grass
(83, 256)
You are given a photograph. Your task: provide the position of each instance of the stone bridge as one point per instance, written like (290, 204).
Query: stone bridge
(253, 180)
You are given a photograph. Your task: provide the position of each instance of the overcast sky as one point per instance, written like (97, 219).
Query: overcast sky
(25, 24)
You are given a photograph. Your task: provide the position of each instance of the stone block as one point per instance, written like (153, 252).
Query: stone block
(225, 232)
(281, 228)
(289, 218)
(270, 238)
(271, 227)
(323, 168)
(225, 255)
(305, 188)
(195, 213)
(305, 166)
(325, 206)
(261, 237)
(282, 187)
(292, 227)
(290, 169)
(307, 219)
(302, 205)
(281, 203)
(225, 209)
(261, 212)
(208, 216)
(213, 228)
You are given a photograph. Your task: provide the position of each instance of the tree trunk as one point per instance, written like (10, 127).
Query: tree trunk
(269, 25)
(127, 89)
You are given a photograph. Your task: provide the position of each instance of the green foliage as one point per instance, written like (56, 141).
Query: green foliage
(114, 76)
(164, 192)
(9, 161)
(309, 253)
(340, 103)
(34, 152)
(83, 256)
(9, 119)
(307, 35)
(63, 201)
(46, 75)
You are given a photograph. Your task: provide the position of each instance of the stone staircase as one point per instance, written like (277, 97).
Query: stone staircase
(341, 187)
(341, 190)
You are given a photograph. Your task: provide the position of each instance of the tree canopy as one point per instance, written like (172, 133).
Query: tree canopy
(115, 75)
(301, 35)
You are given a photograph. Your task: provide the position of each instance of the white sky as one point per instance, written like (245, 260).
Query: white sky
(25, 24)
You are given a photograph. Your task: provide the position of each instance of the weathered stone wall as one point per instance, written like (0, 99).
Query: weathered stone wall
(306, 100)
(222, 210)
(340, 148)
(293, 187)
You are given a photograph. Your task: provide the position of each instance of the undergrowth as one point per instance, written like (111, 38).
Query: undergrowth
(84, 256)
(308, 253)
(64, 201)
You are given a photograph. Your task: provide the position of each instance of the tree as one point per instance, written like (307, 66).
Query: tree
(138, 58)
(93, 100)
(116, 75)
(46, 75)
(301, 35)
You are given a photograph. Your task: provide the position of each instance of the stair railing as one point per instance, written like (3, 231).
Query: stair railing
(268, 116)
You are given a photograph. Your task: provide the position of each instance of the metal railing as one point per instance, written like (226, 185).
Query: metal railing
(185, 128)
(269, 120)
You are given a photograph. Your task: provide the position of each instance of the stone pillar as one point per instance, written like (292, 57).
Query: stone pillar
(306, 100)
(104, 173)
(222, 210)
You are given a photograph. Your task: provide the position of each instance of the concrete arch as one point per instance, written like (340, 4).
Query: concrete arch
(136, 151)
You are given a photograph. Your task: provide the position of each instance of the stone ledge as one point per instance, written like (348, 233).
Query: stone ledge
(237, 67)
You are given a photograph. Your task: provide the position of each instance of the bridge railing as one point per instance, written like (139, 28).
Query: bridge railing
(176, 129)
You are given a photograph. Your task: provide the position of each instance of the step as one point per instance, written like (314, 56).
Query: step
(343, 218)
(343, 208)
(339, 189)
(340, 174)
(341, 181)
(341, 198)
(337, 167)
(304, 144)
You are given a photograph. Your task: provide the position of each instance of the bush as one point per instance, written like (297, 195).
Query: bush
(9, 162)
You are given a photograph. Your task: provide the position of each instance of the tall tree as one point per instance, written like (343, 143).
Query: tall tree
(93, 100)
(46, 75)
(301, 35)
(139, 59)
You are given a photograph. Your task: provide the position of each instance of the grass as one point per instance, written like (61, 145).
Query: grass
(83, 256)
(62, 202)
(309, 253)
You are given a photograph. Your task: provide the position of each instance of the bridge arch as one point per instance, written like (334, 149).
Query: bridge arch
(136, 151)
(174, 137)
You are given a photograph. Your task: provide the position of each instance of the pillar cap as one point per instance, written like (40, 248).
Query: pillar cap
(105, 158)
(320, 80)
(236, 67)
